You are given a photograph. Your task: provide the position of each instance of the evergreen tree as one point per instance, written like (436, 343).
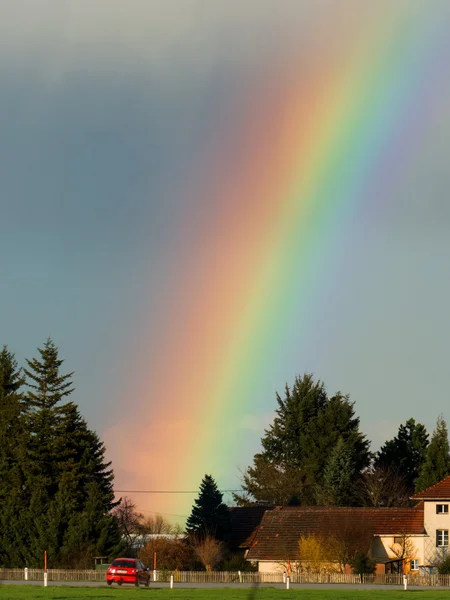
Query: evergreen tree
(436, 465)
(306, 428)
(48, 388)
(337, 488)
(406, 452)
(13, 439)
(69, 482)
(209, 516)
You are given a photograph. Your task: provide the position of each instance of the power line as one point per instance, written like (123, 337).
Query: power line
(167, 491)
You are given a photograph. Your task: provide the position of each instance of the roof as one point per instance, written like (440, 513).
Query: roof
(281, 528)
(244, 523)
(438, 491)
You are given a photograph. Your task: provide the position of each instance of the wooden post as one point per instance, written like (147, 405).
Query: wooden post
(154, 566)
(45, 569)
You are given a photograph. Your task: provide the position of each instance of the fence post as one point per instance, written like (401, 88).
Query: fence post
(26, 573)
(288, 579)
(240, 577)
(405, 582)
(171, 581)
(45, 579)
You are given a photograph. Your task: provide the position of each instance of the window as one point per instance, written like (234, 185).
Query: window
(441, 538)
(441, 509)
(414, 565)
(398, 540)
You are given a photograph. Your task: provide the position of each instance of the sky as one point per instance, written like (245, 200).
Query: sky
(201, 200)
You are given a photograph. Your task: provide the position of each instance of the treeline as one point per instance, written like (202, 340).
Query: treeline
(56, 488)
(315, 453)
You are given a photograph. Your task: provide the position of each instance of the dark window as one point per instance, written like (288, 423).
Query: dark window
(129, 564)
(398, 540)
(441, 509)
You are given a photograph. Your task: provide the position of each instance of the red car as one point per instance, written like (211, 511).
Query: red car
(128, 570)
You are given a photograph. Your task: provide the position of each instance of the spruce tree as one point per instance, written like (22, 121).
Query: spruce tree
(44, 401)
(337, 486)
(209, 516)
(436, 465)
(405, 452)
(306, 428)
(13, 439)
(70, 484)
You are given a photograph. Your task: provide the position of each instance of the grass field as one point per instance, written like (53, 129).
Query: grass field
(16, 592)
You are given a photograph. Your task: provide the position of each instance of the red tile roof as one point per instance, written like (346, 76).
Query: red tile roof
(281, 528)
(438, 491)
(244, 523)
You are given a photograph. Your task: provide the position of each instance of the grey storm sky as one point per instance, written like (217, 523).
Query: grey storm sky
(103, 104)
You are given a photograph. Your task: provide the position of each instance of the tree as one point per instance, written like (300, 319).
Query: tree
(362, 564)
(269, 482)
(436, 465)
(382, 487)
(171, 554)
(48, 387)
(209, 516)
(403, 547)
(68, 486)
(339, 474)
(317, 554)
(405, 452)
(130, 523)
(209, 551)
(13, 440)
(307, 426)
(159, 525)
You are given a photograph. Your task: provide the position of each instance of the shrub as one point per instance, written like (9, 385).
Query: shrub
(171, 554)
(361, 564)
(444, 567)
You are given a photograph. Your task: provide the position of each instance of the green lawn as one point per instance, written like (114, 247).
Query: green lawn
(16, 592)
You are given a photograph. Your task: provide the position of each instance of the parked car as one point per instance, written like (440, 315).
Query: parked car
(128, 570)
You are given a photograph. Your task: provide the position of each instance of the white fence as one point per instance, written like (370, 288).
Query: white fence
(230, 577)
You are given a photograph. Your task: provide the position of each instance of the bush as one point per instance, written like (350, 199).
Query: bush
(171, 554)
(361, 564)
(444, 567)
(238, 563)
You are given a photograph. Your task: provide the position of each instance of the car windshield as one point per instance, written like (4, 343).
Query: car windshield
(130, 564)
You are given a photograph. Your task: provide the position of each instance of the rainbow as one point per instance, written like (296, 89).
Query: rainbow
(313, 144)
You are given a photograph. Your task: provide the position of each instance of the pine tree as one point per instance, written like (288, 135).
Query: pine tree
(436, 465)
(13, 439)
(48, 388)
(339, 474)
(406, 452)
(209, 516)
(69, 482)
(305, 430)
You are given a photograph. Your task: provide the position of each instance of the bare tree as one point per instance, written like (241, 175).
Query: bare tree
(383, 486)
(130, 522)
(346, 537)
(159, 525)
(403, 547)
(209, 551)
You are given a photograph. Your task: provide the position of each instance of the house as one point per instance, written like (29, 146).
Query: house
(244, 521)
(397, 539)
